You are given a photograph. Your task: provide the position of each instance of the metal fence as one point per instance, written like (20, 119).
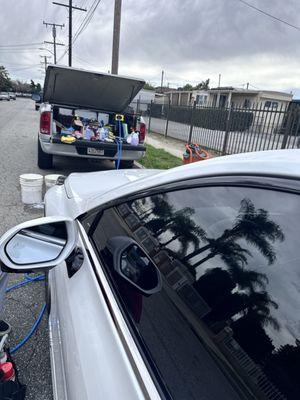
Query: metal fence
(228, 130)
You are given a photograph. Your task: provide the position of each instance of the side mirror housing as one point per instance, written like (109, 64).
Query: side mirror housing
(40, 244)
(132, 264)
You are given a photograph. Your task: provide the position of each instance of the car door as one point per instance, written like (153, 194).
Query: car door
(88, 358)
(225, 324)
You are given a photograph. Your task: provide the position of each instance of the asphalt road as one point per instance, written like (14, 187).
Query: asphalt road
(18, 155)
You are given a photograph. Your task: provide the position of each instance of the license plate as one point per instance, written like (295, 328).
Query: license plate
(95, 152)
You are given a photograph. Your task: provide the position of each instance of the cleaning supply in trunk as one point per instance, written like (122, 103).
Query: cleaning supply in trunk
(135, 139)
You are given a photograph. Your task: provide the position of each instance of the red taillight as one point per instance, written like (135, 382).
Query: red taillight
(142, 132)
(45, 123)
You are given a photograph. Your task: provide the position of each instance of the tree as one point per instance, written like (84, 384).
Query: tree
(254, 226)
(148, 86)
(38, 87)
(187, 87)
(5, 82)
(204, 85)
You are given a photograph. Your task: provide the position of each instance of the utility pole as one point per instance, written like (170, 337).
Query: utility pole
(162, 81)
(247, 85)
(71, 8)
(54, 36)
(116, 37)
(219, 84)
(45, 61)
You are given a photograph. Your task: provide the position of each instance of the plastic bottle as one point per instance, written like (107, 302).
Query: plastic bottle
(135, 139)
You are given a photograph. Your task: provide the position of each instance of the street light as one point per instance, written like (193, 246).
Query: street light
(44, 48)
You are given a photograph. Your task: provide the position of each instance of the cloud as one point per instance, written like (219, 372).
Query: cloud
(190, 40)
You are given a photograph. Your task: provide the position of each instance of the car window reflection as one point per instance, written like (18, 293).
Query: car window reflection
(231, 289)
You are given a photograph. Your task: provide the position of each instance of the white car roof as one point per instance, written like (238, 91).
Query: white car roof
(280, 163)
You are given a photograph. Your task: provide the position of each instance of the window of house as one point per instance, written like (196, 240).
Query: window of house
(247, 103)
(271, 104)
(229, 261)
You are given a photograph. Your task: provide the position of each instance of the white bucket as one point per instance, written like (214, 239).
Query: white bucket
(50, 180)
(31, 188)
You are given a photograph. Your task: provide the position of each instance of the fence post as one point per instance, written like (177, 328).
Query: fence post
(150, 115)
(287, 128)
(192, 122)
(227, 130)
(167, 121)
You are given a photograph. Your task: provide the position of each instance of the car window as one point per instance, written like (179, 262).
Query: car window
(225, 324)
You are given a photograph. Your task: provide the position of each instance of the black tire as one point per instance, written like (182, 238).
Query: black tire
(126, 164)
(45, 161)
(37, 108)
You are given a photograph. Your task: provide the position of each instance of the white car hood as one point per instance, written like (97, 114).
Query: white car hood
(84, 186)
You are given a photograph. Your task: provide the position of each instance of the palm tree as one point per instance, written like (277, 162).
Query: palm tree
(254, 226)
(185, 230)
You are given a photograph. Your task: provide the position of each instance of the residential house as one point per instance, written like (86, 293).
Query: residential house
(187, 97)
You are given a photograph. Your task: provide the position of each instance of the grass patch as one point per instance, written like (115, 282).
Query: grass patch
(159, 159)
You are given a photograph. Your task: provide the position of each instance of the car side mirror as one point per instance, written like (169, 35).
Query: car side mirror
(39, 244)
(36, 97)
(132, 264)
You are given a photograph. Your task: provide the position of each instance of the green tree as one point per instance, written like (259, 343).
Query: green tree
(204, 85)
(187, 87)
(148, 86)
(5, 82)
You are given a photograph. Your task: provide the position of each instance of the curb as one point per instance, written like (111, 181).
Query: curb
(138, 165)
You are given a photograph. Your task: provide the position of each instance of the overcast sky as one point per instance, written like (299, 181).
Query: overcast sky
(190, 40)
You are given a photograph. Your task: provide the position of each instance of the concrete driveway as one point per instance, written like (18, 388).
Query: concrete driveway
(18, 143)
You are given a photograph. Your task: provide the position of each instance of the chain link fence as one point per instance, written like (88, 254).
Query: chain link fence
(229, 130)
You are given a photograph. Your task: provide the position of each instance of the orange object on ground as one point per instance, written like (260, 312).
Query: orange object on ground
(194, 153)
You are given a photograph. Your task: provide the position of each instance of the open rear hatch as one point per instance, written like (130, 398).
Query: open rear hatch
(78, 88)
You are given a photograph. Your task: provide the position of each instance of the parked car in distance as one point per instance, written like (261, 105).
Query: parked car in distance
(38, 98)
(181, 284)
(4, 96)
(74, 94)
(12, 96)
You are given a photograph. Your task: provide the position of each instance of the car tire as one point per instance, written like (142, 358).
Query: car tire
(37, 108)
(125, 164)
(45, 161)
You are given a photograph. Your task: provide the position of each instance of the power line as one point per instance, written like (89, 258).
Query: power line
(83, 24)
(71, 8)
(20, 45)
(269, 15)
(87, 20)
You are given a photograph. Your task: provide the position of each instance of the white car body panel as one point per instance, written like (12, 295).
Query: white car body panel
(84, 198)
(88, 346)
(88, 357)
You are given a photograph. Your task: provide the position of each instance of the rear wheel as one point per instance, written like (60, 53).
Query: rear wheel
(45, 161)
(126, 164)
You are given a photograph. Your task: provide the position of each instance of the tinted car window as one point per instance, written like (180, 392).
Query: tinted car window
(225, 324)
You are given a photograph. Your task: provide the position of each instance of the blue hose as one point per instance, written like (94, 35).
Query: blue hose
(31, 332)
(27, 280)
(119, 146)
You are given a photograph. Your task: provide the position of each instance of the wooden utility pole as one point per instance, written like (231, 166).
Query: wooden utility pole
(162, 81)
(219, 84)
(54, 37)
(116, 37)
(45, 62)
(71, 8)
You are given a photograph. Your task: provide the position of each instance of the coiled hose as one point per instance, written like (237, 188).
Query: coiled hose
(28, 279)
